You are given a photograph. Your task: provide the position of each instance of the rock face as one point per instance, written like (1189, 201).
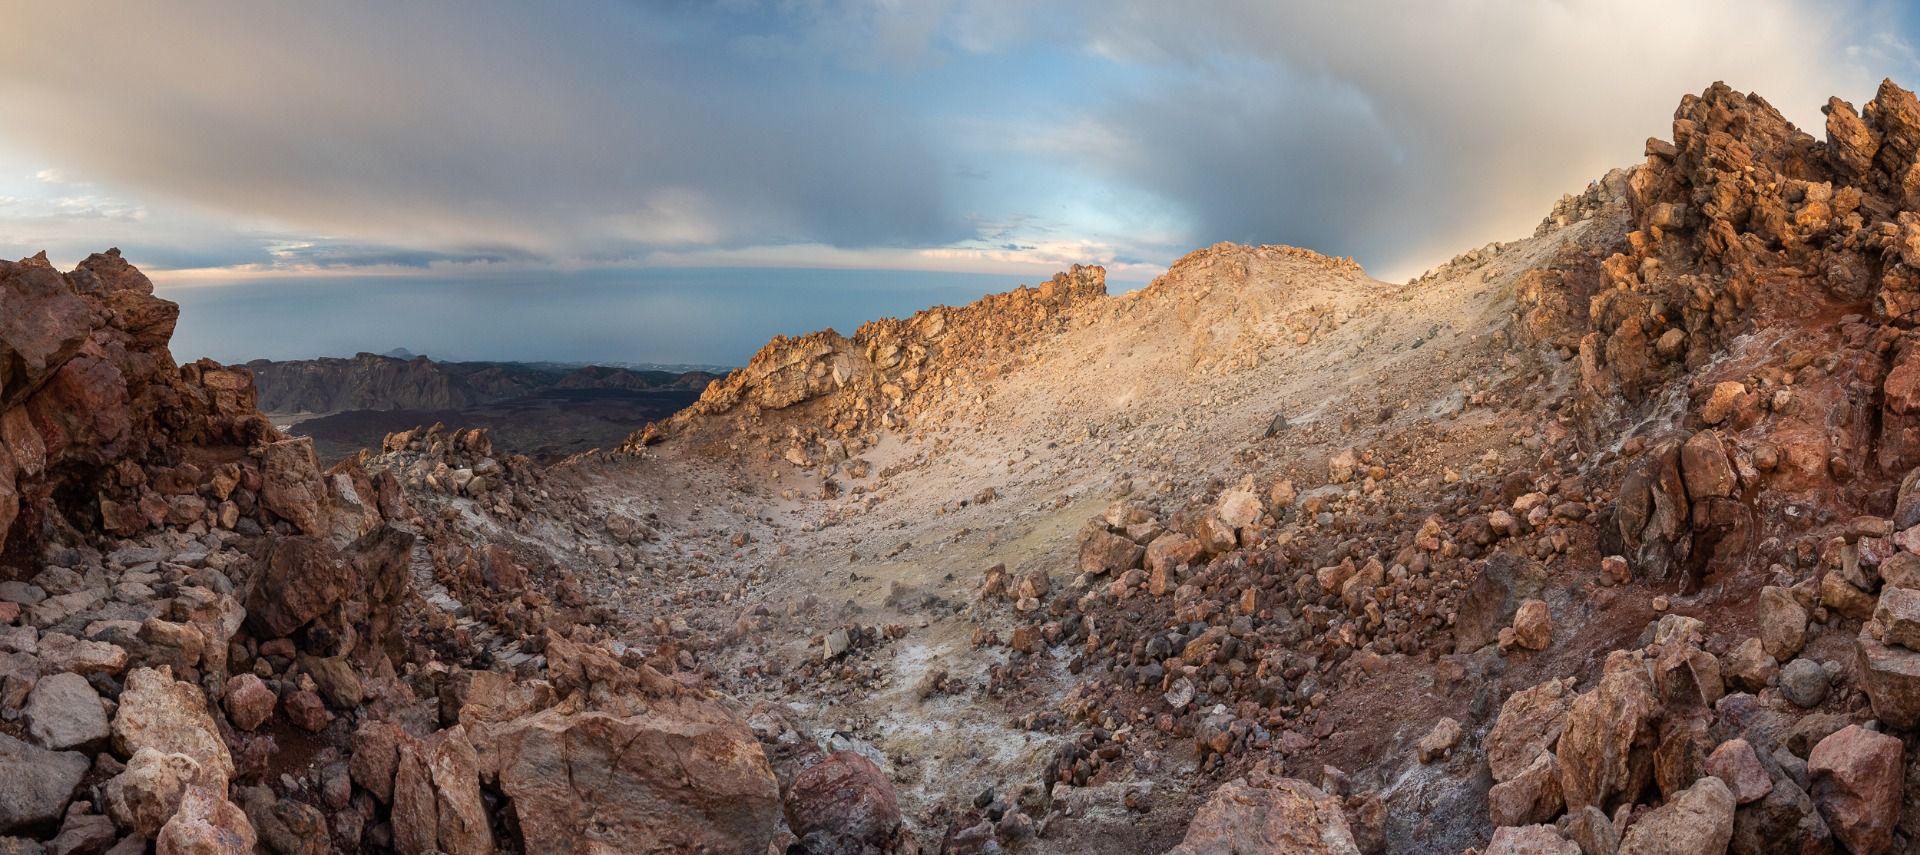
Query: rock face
(1282, 815)
(85, 383)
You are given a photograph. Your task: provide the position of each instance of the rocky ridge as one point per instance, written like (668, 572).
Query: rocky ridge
(374, 382)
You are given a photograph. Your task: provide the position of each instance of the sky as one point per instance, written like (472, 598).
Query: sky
(676, 181)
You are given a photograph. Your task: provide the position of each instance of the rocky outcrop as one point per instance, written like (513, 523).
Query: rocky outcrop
(96, 418)
(889, 370)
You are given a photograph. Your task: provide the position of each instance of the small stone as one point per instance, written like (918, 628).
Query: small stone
(1533, 625)
(63, 711)
(1783, 623)
(1804, 683)
(248, 701)
(1722, 402)
(1614, 569)
(306, 710)
(1441, 739)
(1735, 763)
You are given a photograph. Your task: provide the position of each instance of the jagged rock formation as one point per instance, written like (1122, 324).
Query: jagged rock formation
(373, 382)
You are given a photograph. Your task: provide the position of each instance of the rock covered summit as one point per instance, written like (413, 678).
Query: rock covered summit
(1602, 540)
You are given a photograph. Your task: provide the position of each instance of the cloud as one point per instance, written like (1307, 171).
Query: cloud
(589, 129)
(441, 139)
(1402, 133)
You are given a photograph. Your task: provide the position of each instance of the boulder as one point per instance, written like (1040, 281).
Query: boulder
(1102, 552)
(1891, 678)
(1695, 821)
(206, 824)
(1783, 623)
(63, 711)
(286, 826)
(453, 811)
(1529, 797)
(291, 486)
(1897, 616)
(1533, 625)
(1735, 764)
(171, 717)
(299, 579)
(1524, 840)
(685, 776)
(1282, 815)
(843, 805)
(37, 784)
(1784, 821)
(1440, 740)
(1857, 776)
(144, 796)
(1705, 468)
(83, 834)
(1804, 683)
(1750, 667)
(1606, 750)
(1529, 724)
(248, 701)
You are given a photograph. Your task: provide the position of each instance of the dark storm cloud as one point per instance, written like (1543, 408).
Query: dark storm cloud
(578, 129)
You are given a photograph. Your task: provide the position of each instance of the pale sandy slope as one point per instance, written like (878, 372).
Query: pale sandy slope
(1159, 394)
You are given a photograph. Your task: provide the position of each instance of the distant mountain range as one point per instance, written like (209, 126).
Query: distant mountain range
(399, 380)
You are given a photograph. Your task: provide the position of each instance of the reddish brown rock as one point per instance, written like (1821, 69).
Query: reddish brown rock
(171, 717)
(685, 776)
(291, 485)
(843, 804)
(1103, 552)
(1533, 796)
(1857, 777)
(1890, 676)
(1606, 751)
(1696, 821)
(1283, 815)
(248, 701)
(1530, 840)
(1529, 723)
(306, 710)
(1735, 764)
